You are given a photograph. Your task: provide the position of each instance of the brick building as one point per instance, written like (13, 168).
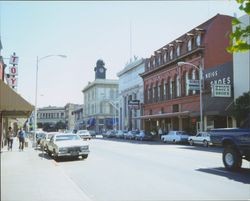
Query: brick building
(168, 102)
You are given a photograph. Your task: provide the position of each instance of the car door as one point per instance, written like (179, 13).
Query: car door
(198, 139)
(50, 144)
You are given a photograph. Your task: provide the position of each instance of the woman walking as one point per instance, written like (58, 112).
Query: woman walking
(10, 138)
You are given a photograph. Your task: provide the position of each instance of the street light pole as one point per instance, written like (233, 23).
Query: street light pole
(35, 112)
(200, 86)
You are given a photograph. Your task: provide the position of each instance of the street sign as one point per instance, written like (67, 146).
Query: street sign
(134, 104)
(193, 84)
(221, 90)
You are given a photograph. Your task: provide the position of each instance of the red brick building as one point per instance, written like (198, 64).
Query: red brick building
(168, 103)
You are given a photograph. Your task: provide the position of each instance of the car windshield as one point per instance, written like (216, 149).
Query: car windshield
(67, 137)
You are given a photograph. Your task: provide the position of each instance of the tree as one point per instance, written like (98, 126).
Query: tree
(240, 37)
(241, 108)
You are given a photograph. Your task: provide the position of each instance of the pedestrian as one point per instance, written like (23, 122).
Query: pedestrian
(160, 132)
(21, 136)
(10, 138)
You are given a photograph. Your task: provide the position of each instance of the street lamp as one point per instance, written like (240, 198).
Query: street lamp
(200, 77)
(35, 113)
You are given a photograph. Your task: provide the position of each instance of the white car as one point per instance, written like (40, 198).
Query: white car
(84, 134)
(71, 145)
(202, 138)
(175, 136)
(44, 141)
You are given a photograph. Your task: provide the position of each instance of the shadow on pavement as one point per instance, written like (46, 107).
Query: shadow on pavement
(45, 156)
(242, 175)
(149, 142)
(201, 148)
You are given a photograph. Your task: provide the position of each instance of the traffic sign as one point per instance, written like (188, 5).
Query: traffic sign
(193, 84)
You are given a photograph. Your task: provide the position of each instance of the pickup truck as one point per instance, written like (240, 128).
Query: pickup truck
(236, 145)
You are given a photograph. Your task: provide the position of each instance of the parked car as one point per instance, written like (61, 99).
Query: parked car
(119, 134)
(44, 141)
(131, 134)
(40, 135)
(144, 135)
(202, 138)
(84, 134)
(70, 145)
(110, 133)
(175, 136)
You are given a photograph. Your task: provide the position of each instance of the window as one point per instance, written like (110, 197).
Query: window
(159, 60)
(159, 92)
(186, 78)
(165, 57)
(171, 88)
(164, 89)
(148, 64)
(194, 77)
(178, 50)
(190, 44)
(171, 54)
(153, 62)
(198, 40)
(178, 86)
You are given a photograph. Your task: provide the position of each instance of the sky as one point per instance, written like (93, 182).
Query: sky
(86, 31)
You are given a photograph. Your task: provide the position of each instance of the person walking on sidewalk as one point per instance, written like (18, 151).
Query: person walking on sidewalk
(10, 138)
(21, 136)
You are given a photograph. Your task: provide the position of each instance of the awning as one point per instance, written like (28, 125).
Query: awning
(12, 104)
(171, 114)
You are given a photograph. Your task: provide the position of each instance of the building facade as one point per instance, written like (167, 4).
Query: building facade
(131, 89)
(49, 117)
(69, 115)
(100, 101)
(169, 101)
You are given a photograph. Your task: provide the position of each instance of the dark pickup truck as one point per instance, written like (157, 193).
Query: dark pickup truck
(236, 144)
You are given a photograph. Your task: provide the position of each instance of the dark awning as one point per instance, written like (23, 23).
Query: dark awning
(12, 104)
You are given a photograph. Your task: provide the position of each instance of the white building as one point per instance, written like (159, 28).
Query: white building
(69, 115)
(242, 66)
(131, 89)
(100, 101)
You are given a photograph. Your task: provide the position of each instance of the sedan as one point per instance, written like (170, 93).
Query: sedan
(70, 145)
(84, 134)
(175, 136)
(44, 141)
(144, 135)
(202, 138)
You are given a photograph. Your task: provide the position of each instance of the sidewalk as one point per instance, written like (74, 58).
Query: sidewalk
(26, 176)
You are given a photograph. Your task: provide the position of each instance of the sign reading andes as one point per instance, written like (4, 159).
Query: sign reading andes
(14, 59)
(221, 90)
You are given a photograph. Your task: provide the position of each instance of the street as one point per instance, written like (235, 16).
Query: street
(131, 170)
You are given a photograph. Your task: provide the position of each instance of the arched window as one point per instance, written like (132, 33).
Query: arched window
(194, 77)
(178, 51)
(171, 88)
(190, 44)
(165, 57)
(178, 86)
(198, 40)
(164, 90)
(171, 54)
(186, 84)
(159, 59)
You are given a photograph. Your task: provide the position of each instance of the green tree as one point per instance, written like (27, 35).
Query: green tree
(241, 108)
(239, 38)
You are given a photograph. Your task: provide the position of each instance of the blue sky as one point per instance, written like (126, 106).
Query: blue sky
(86, 31)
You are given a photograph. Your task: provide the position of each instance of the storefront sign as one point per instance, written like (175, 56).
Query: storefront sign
(14, 59)
(134, 104)
(221, 90)
(12, 81)
(13, 70)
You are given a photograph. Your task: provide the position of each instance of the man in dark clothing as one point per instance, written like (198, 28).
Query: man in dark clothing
(21, 136)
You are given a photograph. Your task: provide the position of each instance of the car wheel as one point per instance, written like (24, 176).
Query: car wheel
(85, 156)
(231, 158)
(205, 143)
(191, 142)
(49, 152)
(55, 156)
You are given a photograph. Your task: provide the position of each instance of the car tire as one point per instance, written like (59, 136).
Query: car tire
(205, 143)
(231, 158)
(55, 156)
(191, 142)
(85, 156)
(49, 152)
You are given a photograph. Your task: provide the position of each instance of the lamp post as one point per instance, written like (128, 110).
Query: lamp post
(35, 112)
(200, 80)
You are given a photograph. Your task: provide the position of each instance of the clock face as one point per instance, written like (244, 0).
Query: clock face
(101, 70)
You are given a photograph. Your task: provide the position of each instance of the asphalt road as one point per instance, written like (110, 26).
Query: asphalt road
(129, 170)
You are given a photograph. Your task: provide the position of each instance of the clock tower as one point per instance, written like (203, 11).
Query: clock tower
(100, 70)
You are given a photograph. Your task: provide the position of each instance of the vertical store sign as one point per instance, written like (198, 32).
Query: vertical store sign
(13, 71)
